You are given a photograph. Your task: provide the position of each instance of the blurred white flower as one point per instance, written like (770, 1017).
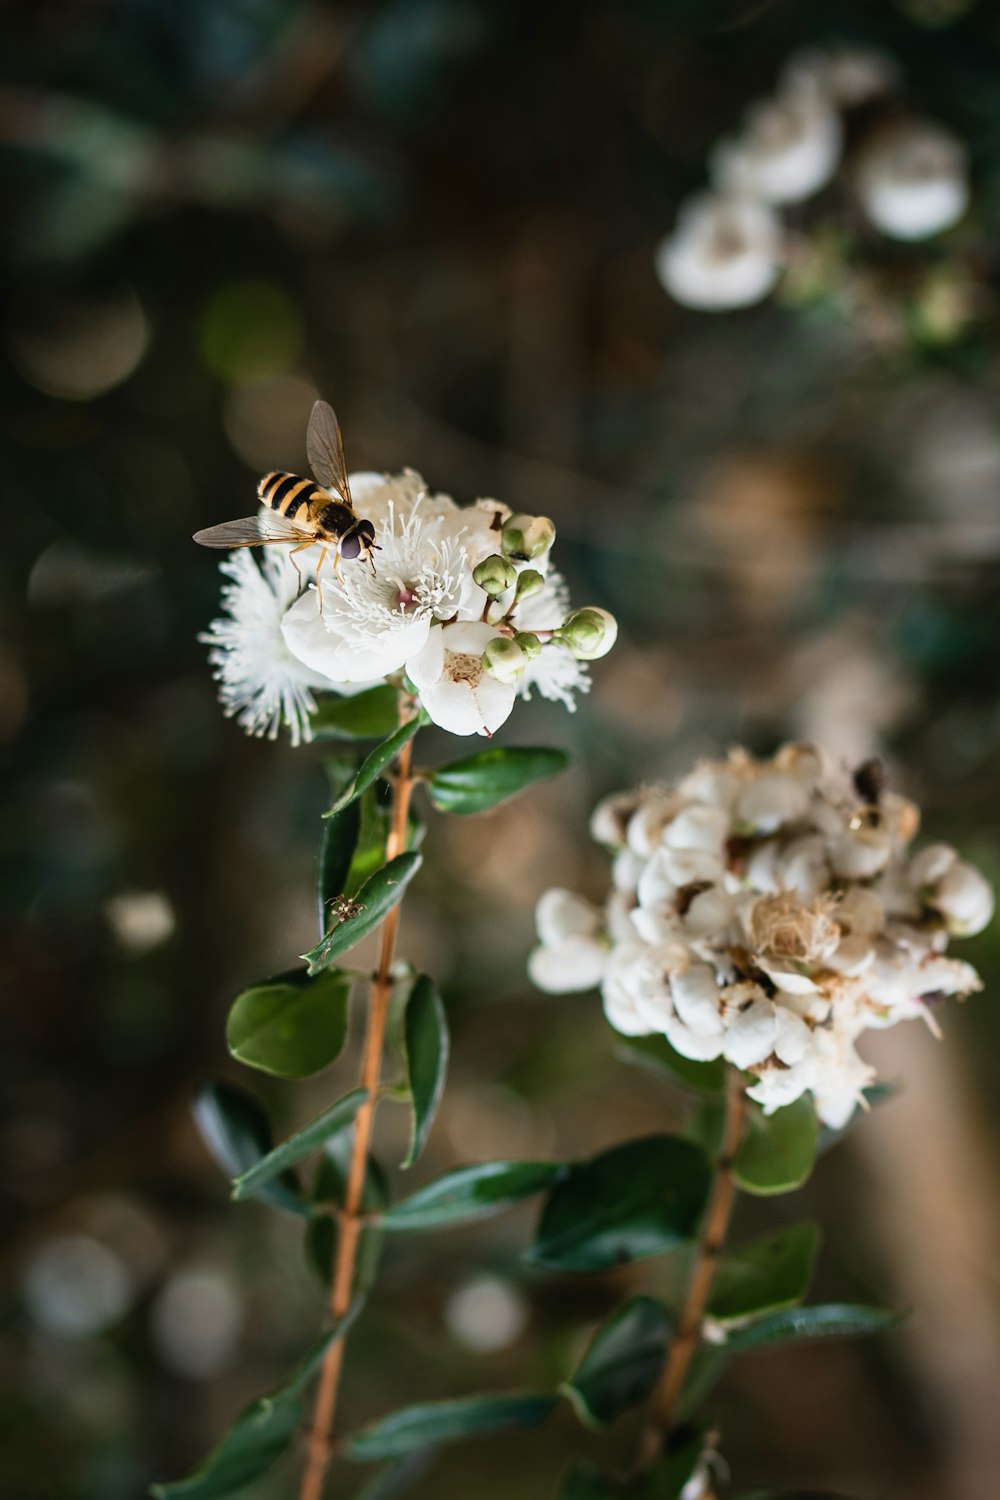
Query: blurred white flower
(140, 920)
(486, 1314)
(261, 681)
(789, 149)
(912, 179)
(767, 913)
(848, 75)
(74, 1286)
(197, 1320)
(724, 252)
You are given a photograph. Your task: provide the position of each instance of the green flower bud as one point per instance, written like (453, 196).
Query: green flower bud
(529, 644)
(505, 659)
(495, 574)
(589, 633)
(529, 582)
(527, 537)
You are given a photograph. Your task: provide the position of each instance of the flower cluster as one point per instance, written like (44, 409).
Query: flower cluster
(464, 603)
(768, 912)
(908, 176)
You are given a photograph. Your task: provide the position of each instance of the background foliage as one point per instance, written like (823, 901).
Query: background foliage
(441, 216)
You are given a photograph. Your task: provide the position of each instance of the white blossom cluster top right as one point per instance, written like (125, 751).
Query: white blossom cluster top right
(768, 912)
(907, 175)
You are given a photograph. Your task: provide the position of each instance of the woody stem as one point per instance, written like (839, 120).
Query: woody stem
(350, 1219)
(710, 1245)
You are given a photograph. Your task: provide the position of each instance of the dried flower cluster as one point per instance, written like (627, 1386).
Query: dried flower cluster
(464, 603)
(908, 176)
(768, 912)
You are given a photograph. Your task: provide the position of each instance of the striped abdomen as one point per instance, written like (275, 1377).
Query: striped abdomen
(289, 494)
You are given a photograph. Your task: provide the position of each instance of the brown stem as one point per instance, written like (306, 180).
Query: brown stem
(350, 1219)
(710, 1244)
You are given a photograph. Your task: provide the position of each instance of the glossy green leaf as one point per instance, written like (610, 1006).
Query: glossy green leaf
(237, 1133)
(667, 1478)
(777, 1152)
(260, 1434)
(370, 715)
(337, 849)
(363, 914)
(830, 1320)
(471, 1193)
(824, 1321)
(638, 1199)
(379, 760)
(291, 1029)
(481, 781)
(436, 1422)
(584, 1482)
(622, 1364)
(771, 1272)
(301, 1144)
(426, 1036)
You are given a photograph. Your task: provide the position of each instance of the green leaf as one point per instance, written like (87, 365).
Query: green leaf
(656, 1053)
(584, 1482)
(778, 1151)
(337, 848)
(481, 781)
(374, 764)
(667, 1478)
(435, 1422)
(471, 1193)
(771, 1272)
(622, 1364)
(824, 1321)
(260, 1434)
(829, 1320)
(376, 897)
(304, 1141)
(364, 716)
(291, 1029)
(237, 1133)
(637, 1199)
(426, 1034)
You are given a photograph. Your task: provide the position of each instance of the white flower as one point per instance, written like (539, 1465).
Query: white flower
(371, 623)
(260, 680)
(555, 672)
(788, 150)
(849, 76)
(455, 688)
(724, 252)
(766, 912)
(912, 179)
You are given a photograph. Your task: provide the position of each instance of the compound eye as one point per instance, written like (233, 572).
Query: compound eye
(350, 546)
(367, 531)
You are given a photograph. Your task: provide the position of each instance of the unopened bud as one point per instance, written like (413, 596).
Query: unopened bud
(527, 537)
(529, 643)
(589, 633)
(504, 659)
(529, 582)
(495, 575)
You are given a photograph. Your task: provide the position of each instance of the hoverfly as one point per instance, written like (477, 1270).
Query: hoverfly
(302, 510)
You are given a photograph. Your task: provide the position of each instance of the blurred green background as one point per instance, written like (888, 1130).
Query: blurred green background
(441, 216)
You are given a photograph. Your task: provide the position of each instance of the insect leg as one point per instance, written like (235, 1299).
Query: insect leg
(319, 581)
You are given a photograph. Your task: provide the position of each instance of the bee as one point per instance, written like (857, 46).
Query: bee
(302, 510)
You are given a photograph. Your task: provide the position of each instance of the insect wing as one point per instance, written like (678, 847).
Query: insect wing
(250, 531)
(325, 447)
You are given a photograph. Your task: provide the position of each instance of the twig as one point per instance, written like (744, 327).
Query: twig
(351, 1219)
